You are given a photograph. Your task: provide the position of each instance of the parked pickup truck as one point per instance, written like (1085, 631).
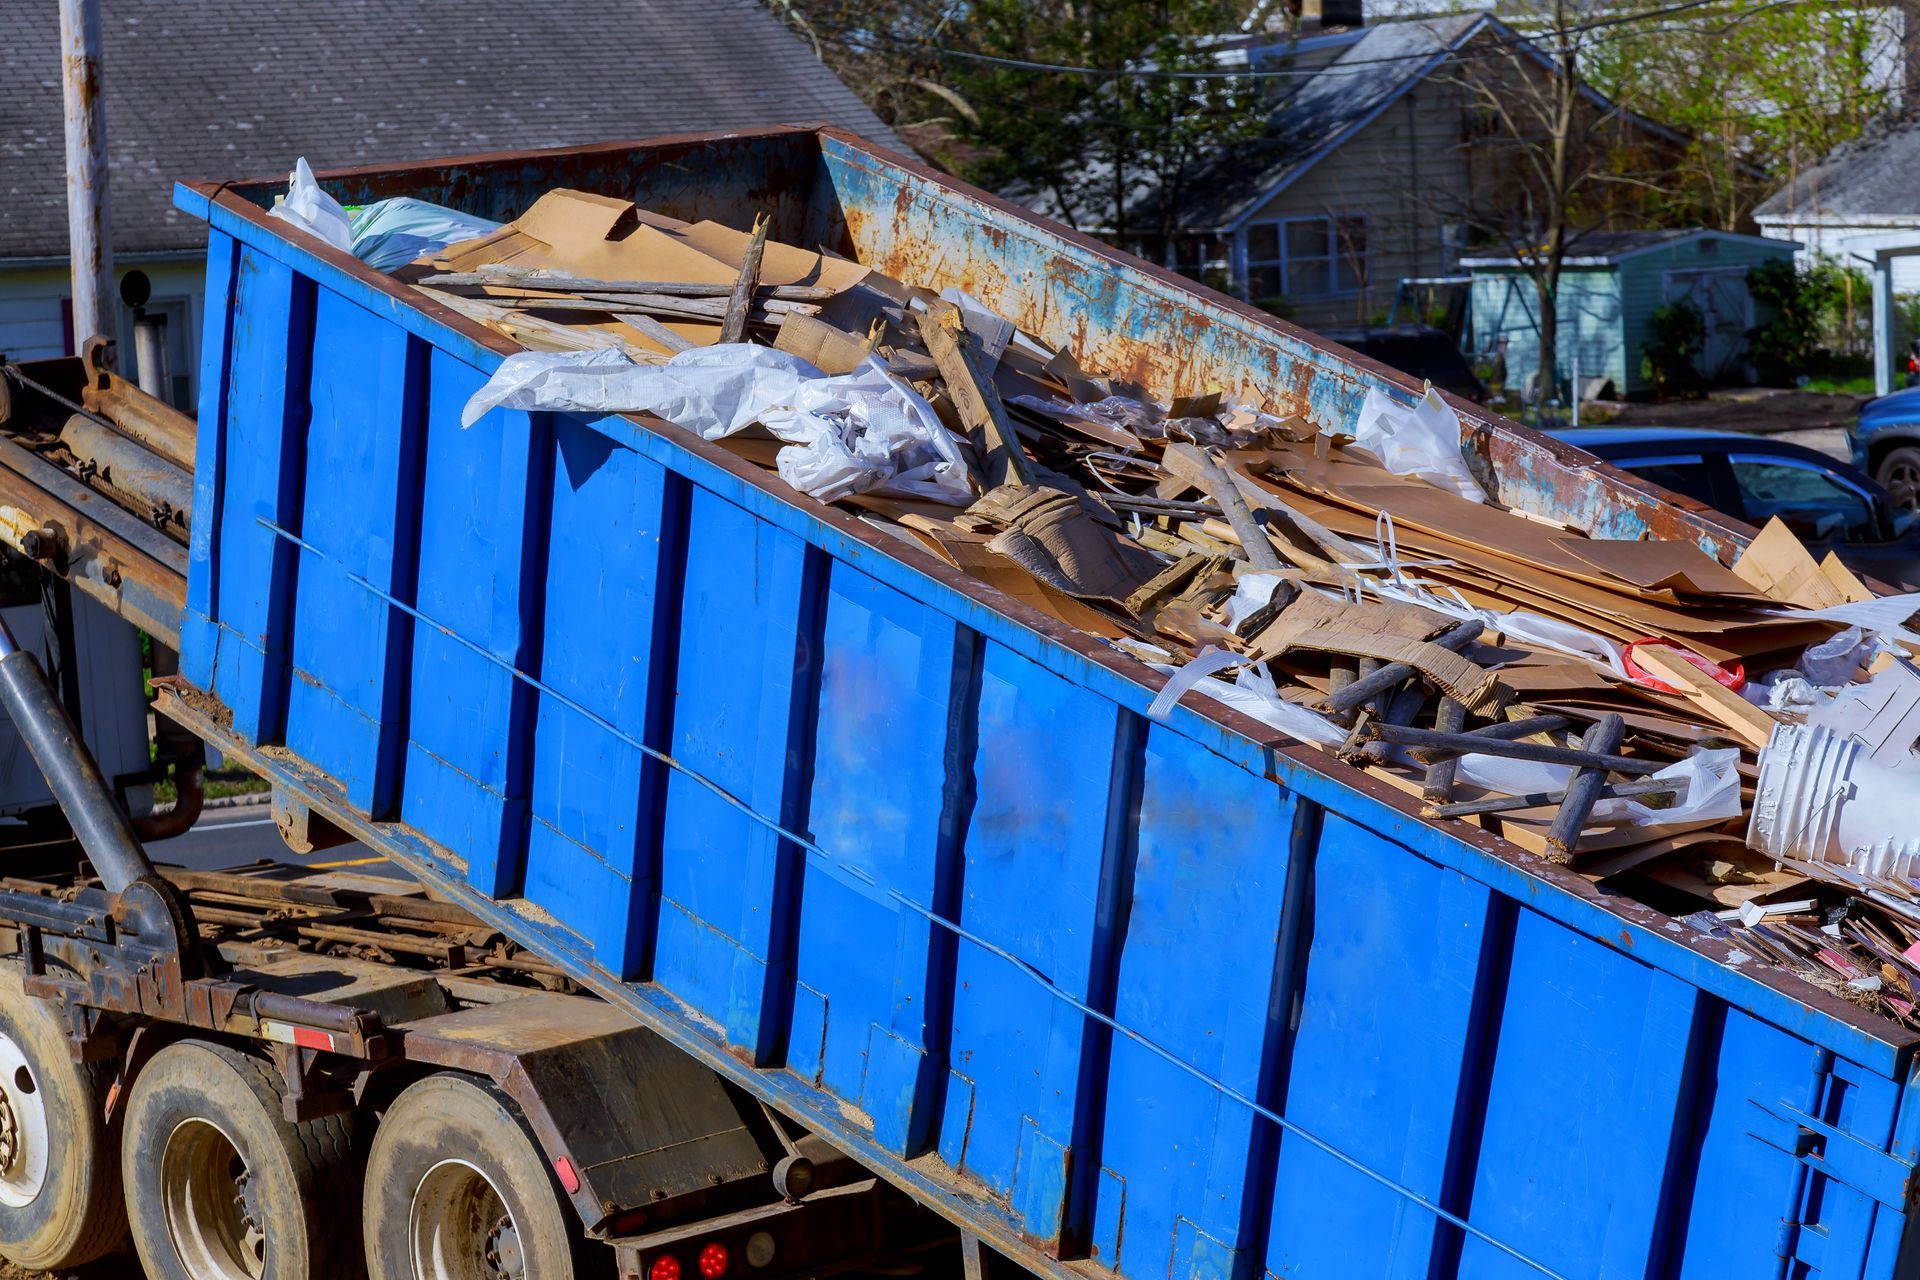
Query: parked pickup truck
(907, 939)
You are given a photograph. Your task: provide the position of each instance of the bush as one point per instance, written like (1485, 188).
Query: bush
(1817, 320)
(1783, 345)
(1677, 333)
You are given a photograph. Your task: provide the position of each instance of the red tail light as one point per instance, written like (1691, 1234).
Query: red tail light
(713, 1261)
(664, 1267)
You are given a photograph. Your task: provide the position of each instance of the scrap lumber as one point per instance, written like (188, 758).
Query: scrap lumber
(1563, 837)
(945, 334)
(1739, 717)
(734, 327)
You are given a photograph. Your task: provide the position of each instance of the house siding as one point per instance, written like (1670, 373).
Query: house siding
(1505, 306)
(31, 315)
(1644, 286)
(1605, 312)
(1379, 173)
(1822, 238)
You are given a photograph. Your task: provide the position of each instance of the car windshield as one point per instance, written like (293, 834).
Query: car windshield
(1814, 503)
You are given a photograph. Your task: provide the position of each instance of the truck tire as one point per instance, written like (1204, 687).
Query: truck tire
(457, 1188)
(1899, 474)
(227, 1188)
(60, 1202)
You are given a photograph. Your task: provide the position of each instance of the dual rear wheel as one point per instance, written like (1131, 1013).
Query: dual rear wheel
(221, 1186)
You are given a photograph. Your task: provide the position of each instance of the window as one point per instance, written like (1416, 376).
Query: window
(1306, 258)
(1814, 503)
(1682, 475)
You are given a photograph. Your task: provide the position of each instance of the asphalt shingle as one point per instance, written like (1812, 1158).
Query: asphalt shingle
(224, 89)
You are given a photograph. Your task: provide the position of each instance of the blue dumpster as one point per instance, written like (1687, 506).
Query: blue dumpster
(907, 860)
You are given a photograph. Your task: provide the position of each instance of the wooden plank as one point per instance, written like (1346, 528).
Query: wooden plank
(954, 353)
(1744, 720)
(734, 327)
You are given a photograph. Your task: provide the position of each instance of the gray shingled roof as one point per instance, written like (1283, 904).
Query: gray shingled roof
(1348, 93)
(232, 89)
(1877, 175)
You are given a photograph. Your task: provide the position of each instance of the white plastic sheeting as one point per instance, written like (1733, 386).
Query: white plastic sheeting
(1423, 441)
(860, 431)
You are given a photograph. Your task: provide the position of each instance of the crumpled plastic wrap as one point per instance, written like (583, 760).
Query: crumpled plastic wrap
(1422, 441)
(861, 431)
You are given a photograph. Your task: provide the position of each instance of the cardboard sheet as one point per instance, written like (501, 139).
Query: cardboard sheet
(1780, 567)
(1679, 567)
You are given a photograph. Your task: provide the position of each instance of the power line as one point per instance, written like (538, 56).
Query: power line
(1516, 41)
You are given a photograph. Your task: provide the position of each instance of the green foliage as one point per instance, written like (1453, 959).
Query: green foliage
(1676, 334)
(1090, 147)
(1784, 343)
(1815, 321)
(1093, 145)
(1762, 88)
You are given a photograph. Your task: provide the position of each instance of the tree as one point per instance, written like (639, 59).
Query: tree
(1762, 88)
(1099, 111)
(1549, 160)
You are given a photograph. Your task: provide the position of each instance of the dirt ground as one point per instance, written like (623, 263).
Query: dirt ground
(118, 1267)
(1815, 420)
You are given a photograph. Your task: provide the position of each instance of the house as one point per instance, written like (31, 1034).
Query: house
(1610, 287)
(1861, 206)
(199, 89)
(1365, 174)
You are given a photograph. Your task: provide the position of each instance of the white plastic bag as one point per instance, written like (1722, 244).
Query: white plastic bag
(1712, 794)
(312, 210)
(1833, 661)
(858, 431)
(1252, 693)
(392, 233)
(1422, 441)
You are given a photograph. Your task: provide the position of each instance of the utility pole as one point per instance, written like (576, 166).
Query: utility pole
(88, 242)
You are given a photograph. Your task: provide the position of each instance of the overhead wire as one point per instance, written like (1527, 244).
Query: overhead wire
(1517, 41)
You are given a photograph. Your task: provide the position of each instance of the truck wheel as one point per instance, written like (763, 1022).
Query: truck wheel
(1899, 474)
(227, 1188)
(59, 1179)
(457, 1190)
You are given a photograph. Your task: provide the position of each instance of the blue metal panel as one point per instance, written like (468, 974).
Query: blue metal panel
(615, 538)
(199, 632)
(892, 768)
(1052, 760)
(260, 473)
(1198, 970)
(360, 507)
(1584, 1103)
(743, 717)
(481, 551)
(1381, 1064)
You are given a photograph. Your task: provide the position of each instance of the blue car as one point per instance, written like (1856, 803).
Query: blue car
(1886, 444)
(1829, 504)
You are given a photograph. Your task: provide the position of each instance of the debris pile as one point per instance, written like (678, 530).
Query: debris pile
(1637, 711)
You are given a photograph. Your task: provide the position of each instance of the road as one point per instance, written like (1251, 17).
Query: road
(230, 837)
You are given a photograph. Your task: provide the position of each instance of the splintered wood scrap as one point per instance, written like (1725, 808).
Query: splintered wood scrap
(655, 331)
(771, 311)
(1437, 788)
(507, 276)
(734, 327)
(1739, 717)
(1563, 837)
(1190, 462)
(957, 356)
(533, 331)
